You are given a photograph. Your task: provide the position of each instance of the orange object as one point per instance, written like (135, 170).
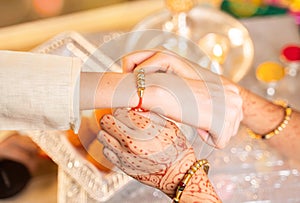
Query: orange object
(47, 8)
(97, 164)
(95, 156)
(73, 138)
(270, 72)
(99, 113)
(43, 154)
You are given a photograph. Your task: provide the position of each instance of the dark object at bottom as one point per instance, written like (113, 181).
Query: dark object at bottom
(14, 176)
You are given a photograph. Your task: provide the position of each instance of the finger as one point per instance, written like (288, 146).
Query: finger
(203, 133)
(222, 140)
(115, 128)
(115, 147)
(118, 111)
(109, 141)
(206, 137)
(152, 138)
(142, 120)
(117, 154)
(111, 156)
(136, 120)
(153, 124)
(187, 130)
(125, 160)
(169, 63)
(130, 61)
(148, 118)
(132, 140)
(236, 123)
(125, 167)
(122, 115)
(228, 85)
(139, 126)
(239, 116)
(232, 119)
(114, 159)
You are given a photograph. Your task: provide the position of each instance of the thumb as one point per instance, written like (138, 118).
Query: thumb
(206, 137)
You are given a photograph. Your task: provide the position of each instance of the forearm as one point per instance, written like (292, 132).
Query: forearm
(107, 90)
(262, 116)
(163, 93)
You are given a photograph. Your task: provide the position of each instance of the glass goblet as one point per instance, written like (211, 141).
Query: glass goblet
(223, 38)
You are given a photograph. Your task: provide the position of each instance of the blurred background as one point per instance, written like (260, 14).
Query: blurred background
(249, 169)
(18, 11)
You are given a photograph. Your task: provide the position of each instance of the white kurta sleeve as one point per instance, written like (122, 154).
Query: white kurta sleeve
(38, 91)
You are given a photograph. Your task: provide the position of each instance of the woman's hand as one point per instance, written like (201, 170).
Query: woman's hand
(153, 151)
(217, 106)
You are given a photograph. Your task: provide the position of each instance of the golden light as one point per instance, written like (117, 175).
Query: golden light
(216, 46)
(236, 36)
(217, 51)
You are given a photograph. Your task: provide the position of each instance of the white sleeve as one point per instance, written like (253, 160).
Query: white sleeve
(38, 91)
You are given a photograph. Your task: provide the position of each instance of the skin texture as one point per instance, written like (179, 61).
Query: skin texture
(160, 161)
(205, 100)
(222, 96)
(262, 116)
(153, 151)
(183, 100)
(259, 114)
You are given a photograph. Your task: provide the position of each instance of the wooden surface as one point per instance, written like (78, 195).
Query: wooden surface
(115, 17)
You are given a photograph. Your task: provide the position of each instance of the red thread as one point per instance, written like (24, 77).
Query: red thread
(139, 106)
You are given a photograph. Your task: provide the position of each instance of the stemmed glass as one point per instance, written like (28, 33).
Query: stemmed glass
(223, 38)
(178, 22)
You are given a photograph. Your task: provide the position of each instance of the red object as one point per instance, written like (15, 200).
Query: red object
(291, 53)
(139, 106)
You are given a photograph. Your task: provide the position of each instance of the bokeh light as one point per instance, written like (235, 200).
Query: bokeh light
(47, 8)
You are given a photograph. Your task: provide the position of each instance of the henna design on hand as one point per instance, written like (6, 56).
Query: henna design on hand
(150, 149)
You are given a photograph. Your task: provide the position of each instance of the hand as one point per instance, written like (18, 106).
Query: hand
(21, 149)
(151, 150)
(219, 104)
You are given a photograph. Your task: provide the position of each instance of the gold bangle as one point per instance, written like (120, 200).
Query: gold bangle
(203, 163)
(279, 128)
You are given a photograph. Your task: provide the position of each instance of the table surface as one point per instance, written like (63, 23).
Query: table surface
(269, 35)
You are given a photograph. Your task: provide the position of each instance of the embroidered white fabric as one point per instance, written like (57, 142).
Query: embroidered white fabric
(78, 179)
